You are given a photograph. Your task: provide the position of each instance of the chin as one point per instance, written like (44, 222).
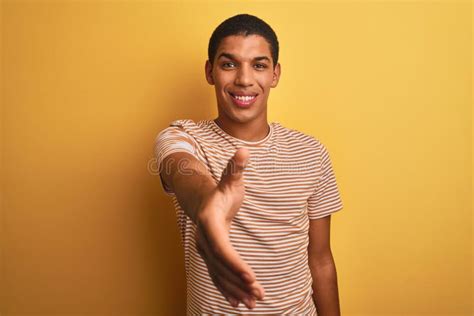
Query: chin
(237, 115)
(244, 118)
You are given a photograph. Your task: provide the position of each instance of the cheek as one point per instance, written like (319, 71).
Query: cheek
(266, 82)
(221, 87)
(222, 77)
(218, 86)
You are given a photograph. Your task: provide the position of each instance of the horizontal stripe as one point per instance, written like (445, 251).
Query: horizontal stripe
(289, 180)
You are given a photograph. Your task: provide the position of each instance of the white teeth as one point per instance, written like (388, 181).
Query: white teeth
(244, 98)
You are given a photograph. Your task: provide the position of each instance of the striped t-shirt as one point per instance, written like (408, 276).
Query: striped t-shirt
(288, 181)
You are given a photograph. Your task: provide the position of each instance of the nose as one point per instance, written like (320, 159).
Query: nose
(244, 76)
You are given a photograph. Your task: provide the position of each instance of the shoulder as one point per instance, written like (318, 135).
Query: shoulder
(183, 122)
(182, 127)
(294, 137)
(199, 133)
(190, 126)
(176, 129)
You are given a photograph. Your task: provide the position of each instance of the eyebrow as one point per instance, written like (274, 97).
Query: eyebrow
(231, 56)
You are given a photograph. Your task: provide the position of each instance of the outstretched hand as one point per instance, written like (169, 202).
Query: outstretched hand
(231, 274)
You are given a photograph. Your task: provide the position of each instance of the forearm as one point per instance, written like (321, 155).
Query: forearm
(190, 181)
(325, 290)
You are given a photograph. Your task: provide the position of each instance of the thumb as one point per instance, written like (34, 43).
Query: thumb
(233, 172)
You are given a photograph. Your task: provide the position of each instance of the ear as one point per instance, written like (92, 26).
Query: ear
(208, 72)
(276, 75)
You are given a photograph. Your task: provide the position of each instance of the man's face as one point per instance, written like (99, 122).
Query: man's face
(243, 74)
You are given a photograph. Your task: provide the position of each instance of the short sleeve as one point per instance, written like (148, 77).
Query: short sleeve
(326, 198)
(171, 140)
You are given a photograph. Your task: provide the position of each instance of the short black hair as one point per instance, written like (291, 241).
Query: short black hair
(245, 25)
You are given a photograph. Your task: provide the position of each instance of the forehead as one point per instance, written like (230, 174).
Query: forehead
(244, 47)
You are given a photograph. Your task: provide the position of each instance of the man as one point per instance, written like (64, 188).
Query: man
(253, 200)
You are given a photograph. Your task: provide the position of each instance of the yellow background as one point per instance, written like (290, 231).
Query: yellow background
(87, 85)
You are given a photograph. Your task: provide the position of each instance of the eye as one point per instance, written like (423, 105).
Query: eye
(225, 64)
(261, 66)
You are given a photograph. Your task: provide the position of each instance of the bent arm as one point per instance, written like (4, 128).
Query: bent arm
(323, 268)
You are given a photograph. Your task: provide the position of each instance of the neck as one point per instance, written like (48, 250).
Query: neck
(252, 131)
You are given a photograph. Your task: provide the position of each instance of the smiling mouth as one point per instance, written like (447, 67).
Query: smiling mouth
(243, 101)
(244, 98)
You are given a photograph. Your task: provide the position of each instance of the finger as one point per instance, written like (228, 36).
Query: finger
(231, 292)
(222, 270)
(234, 302)
(228, 296)
(201, 247)
(219, 243)
(236, 291)
(253, 288)
(233, 171)
(221, 289)
(226, 286)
